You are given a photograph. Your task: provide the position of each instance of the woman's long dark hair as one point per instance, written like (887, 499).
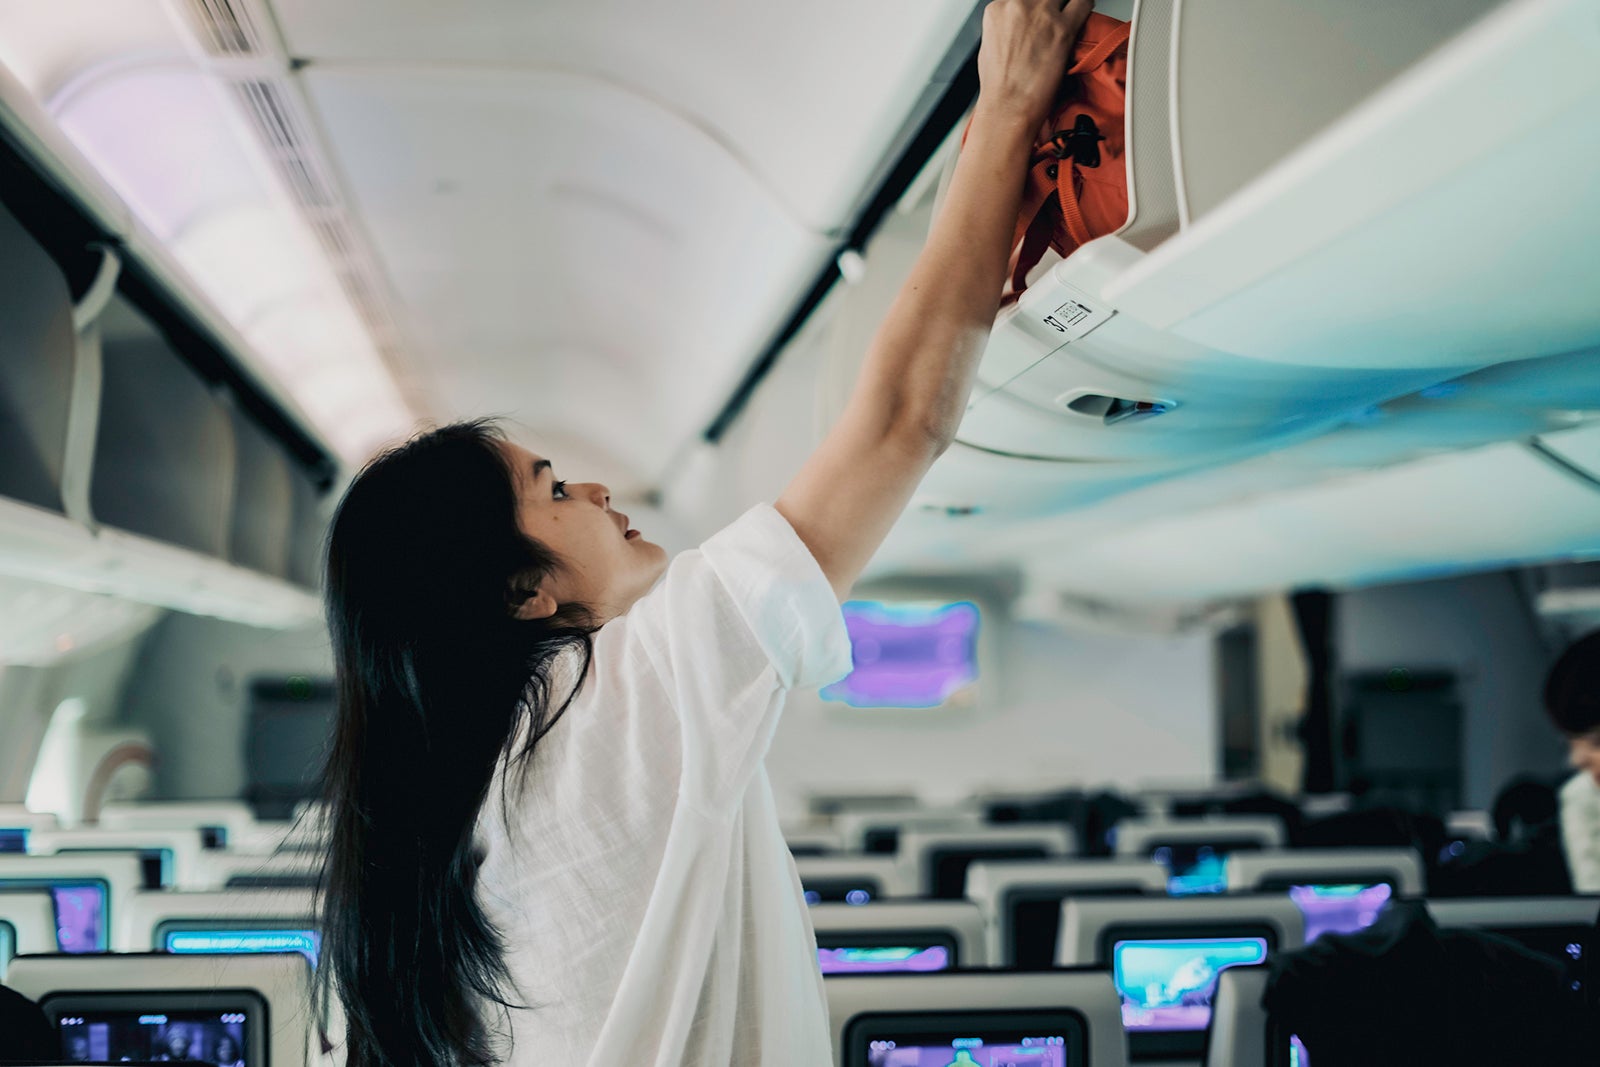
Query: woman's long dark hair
(434, 675)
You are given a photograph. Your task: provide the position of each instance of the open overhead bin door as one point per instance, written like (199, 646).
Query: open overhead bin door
(1290, 271)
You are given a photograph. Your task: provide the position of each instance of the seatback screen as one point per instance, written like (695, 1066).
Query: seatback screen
(219, 1037)
(196, 939)
(1198, 867)
(965, 1039)
(1168, 984)
(1339, 909)
(13, 839)
(886, 951)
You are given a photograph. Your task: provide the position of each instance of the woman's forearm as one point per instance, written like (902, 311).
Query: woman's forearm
(920, 366)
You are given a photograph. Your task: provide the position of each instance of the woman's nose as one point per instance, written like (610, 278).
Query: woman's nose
(600, 494)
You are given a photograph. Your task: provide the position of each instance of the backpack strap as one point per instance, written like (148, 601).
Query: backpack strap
(1102, 49)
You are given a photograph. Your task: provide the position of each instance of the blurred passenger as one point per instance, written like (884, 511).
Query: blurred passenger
(1572, 699)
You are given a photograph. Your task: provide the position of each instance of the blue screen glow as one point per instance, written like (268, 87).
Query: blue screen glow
(207, 942)
(908, 655)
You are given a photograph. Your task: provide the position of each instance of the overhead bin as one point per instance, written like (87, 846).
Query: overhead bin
(36, 368)
(263, 500)
(164, 453)
(1349, 221)
(307, 528)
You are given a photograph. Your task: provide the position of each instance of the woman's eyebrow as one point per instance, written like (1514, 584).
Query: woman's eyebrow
(539, 467)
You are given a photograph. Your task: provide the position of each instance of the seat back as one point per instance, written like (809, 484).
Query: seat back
(27, 925)
(1021, 901)
(900, 1007)
(812, 841)
(833, 878)
(938, 859)
(232, 817)
(143, 1002)
(879, 831)
(1238, 1036)
(1087, 923)
(1559, 927)
(1165, 955)
(1278, 869)
(899, 935)
(172, 857)
(152, 919)
(89, 891)
(280, 870)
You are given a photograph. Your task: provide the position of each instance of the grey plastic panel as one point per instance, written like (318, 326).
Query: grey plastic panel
(1238, 1022)
(122, 872)
(36, 366)
(1255, 79)
(1247, 870)
(1083, 921)
(146, 911)
(164, 456)
(1152, 186)
(887, 871)
(989, 882)
(918, 846)
(263, 501)
(1514, 911)
(1088, 992)
(1136, 837)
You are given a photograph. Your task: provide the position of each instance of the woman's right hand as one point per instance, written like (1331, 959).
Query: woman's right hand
(1027, 47)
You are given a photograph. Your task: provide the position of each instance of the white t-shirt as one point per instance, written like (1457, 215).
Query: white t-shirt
(651, 911)
(1580, 831)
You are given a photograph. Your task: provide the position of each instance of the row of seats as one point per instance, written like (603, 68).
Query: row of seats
(1097, 959)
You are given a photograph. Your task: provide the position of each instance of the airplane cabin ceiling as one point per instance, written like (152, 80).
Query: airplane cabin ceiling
(594, 215)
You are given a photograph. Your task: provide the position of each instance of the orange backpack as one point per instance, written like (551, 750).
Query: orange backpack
(1077, 183)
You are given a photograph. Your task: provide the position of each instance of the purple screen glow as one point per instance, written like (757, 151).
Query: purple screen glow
(1029, 1052)
(1339, 909)
(908, 656)
(80, 918)
(882, 960)
(80, 909)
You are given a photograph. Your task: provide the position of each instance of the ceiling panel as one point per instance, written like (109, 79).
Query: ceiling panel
(807, 96)
(564, 252)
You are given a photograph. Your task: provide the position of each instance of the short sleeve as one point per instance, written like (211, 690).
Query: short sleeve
(733, 627)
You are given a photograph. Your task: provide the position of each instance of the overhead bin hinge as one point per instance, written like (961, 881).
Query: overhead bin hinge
(83, 407)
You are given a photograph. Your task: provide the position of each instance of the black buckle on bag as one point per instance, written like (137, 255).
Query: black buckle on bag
(1082, 142)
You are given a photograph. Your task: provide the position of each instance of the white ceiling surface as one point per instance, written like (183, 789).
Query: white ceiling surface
(595, 214)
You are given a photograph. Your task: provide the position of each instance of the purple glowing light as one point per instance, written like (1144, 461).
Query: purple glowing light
(908, 656)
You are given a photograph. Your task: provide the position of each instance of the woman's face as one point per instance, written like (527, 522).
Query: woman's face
(607, 567)
(1583, 752)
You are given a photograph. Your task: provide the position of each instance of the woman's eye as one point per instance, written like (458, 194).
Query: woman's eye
(560, 490)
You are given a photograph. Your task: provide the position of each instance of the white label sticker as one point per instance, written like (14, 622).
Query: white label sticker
(1059, 312)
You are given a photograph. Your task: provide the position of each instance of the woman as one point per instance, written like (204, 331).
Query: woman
(553, 840)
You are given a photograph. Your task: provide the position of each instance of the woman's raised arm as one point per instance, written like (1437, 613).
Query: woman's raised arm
(919, 369)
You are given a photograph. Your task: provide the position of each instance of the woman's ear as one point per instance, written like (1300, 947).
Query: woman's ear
(535, 605)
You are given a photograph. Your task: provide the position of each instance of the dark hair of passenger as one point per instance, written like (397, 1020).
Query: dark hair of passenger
(434, 675)
(1572, 688)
